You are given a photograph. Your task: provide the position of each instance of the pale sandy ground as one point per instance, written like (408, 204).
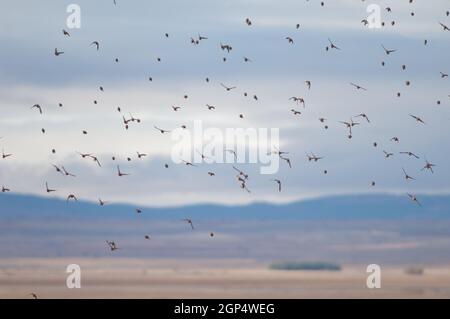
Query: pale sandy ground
(132, 278)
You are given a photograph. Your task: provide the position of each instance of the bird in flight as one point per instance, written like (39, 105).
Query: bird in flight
(298, 100)
(97, 45)
(418, 119)
(119, 172)
(241, 173)
(414, 199)
(234, 154)
(387, 154)
(37, 106)
(410, 154)
(444, 26)
(332, 45)
(312, 157)
(277, 151)
(57, 169)
(5, 155)
(290, 40)
(141, 155)
(278, 182)
(388, 51)
(225, 47)
(287, 160)
(95, 159)
(84, 155)
(308, 84)
(363, 115)
(112, 245)
(161, 130)
(358, 87)
(188, 163)
(349, 125)
(67, 173)
(49, 190)
(66, 33)
(4, 189)
(407, 177)
(428, 166)
(189, 221)
(101, 202)
(58, 53)
(71, 196)
(228, 88)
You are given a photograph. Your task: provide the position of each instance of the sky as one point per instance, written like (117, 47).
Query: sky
(134, 32)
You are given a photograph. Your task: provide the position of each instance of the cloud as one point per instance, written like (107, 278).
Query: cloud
(135, 34)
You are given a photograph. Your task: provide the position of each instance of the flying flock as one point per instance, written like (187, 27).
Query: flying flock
(242, 178)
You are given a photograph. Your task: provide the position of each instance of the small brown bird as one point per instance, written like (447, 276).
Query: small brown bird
(387, 51)
(358, 87)
(410, 154)
(278, 182)
(387, 155)
(332, 45)
(97, 44)
(444, 26)
(49, 190)
(140, 155)
(363, 115)
(228, 88)
(119, 173)
(428, 166)
(308, 84)
(37, 106)
(407, 177)
(418, 119)
(290, 40)
(112, 245)
(5, 155)
(414, 199)
(65, 172)
(161, 130)
(58, 53)
(189, 221)
(71, 196)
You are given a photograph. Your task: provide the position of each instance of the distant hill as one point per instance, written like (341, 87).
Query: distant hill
(335, 208)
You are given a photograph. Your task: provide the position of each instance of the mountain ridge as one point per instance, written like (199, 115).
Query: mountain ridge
(358, 206)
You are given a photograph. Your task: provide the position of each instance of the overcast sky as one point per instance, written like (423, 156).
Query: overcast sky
(133, 32)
